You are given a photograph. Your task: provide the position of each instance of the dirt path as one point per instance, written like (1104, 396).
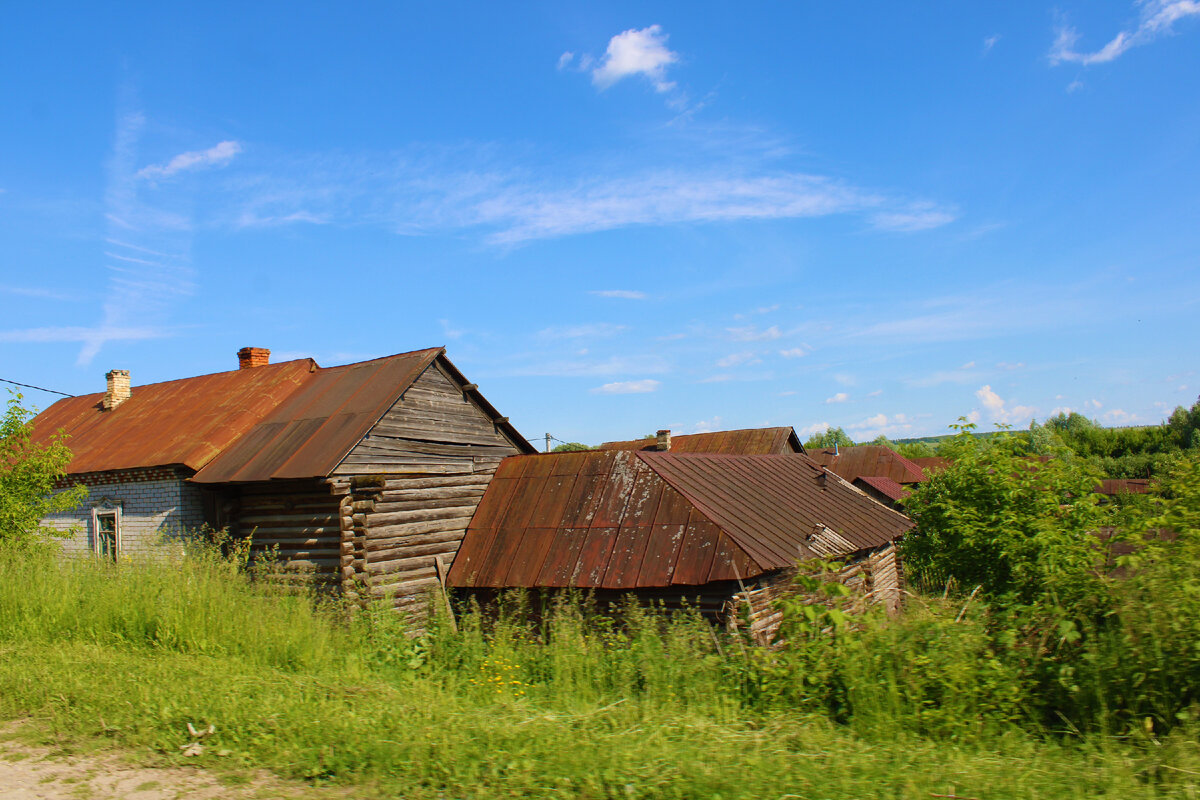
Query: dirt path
(40, 773)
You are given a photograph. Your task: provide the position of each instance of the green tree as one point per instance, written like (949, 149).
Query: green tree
(916, 449)
(28, 471)
(570, 447)
(1019, 528)
(829, 438)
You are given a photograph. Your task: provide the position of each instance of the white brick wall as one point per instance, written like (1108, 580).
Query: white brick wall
(151, 512)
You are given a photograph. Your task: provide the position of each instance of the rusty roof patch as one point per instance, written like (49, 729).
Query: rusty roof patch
(854, 462)
(626, 520)
(746, 442)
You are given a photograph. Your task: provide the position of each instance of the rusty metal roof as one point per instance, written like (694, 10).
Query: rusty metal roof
(885, 486)
(288, 420)
(620, 520)
(931, 464)
(855, 462)
(313, 429)
(746, 442)
(1116, 486)
(186, 422)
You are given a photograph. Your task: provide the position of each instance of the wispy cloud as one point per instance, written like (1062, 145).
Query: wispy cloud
(582, 368)
(636, 52)
(39, 293)
(840, 397)
(622, 294)
(919, 217)
(738, 359)
(628, 387)
(752, 333)
(1156, 18)
(221, 153)
(795, 352)
(990, 42)
(590, 331)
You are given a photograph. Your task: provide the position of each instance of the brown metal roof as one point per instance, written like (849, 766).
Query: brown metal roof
(931, 464)
(619, 520)
(313, 429)
(885, 486)
(288, 420)
(746, 442)
(1116, 486)
(855, 462)
(186, 422)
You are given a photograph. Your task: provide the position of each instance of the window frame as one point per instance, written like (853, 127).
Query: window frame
(107, 507)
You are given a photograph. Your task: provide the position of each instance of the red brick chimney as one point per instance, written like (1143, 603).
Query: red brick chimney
(251, 357)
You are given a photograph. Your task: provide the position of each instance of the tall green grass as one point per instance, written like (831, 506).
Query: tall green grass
(564, 703)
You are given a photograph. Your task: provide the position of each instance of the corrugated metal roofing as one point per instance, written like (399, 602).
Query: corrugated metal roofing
(287, 420)
(885, 486)
(186, 422)
(747, 441)
(931, 464)
(1116, 486)
(855, 462)
(619, 520)
(313, 429)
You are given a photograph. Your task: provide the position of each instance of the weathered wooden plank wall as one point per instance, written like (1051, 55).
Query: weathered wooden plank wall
(298, 521)
(411, 487)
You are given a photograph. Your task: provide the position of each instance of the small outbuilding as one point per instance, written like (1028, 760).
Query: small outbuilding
(710, 530)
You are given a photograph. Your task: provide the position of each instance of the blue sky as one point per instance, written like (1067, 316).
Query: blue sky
(618, 217)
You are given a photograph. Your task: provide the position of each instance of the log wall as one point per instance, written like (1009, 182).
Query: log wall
(296, 522)
(409, 489)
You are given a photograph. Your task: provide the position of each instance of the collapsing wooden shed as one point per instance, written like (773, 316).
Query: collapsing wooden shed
(671, 527)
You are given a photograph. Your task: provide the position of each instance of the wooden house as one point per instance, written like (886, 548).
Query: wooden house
(361, 477)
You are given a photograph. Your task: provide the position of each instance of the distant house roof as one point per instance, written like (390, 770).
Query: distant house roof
(931, 464)
(744, 442)
(625, 520)
(287, 420)
(868, 460)
(885, 486)
(1115, 486)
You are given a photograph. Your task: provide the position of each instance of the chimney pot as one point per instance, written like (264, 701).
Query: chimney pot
(251, 357)
(664, 440)
(117, 390)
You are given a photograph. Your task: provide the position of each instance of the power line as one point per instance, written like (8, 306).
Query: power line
(39, 388)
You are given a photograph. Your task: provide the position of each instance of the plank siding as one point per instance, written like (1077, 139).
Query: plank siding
(297, 523)
(431, 456)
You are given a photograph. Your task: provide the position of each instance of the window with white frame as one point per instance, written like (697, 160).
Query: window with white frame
(106, 529)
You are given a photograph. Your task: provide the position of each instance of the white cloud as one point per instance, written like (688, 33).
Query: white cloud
(990, 42)
(816, 427)
(42, 294)
(565, 60)
(738, 359)
(1054, 412)
(1000, 411)
(221, 153)
(750, 333)
(968, 365)
(707, 425)
(1074, 86)
(918, 217)
(846, 379)
(723, 378)
(1119, 416)
(622, 294)
(1094, 403)
(628, 387)
(795, 352)
(1157, 18)
(582, 368)
(840, 397)
(636, 52)
(596, 330)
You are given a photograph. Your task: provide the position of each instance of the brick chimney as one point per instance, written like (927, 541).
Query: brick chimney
(251, 357)
(664, 440)
(118, 390)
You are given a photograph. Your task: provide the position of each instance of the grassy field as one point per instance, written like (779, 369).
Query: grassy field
(125, 656)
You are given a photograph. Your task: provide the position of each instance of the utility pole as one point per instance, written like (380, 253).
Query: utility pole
(548, 438)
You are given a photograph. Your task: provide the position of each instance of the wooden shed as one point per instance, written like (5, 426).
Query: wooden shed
(672, 527)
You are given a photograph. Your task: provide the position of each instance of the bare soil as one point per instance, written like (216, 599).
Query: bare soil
(29, 772)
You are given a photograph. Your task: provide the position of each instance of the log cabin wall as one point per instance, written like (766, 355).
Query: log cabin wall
(410, 488)
(298, 519)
